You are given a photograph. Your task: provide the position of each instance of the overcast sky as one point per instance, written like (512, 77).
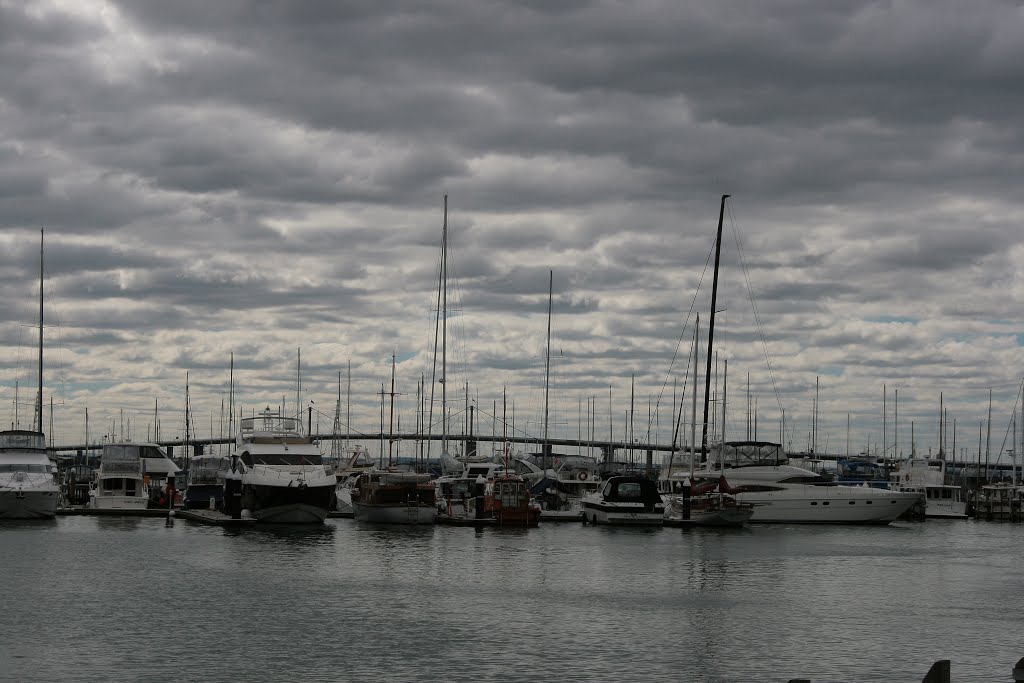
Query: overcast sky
(260, 177)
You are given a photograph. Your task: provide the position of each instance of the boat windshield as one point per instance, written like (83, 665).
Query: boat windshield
(748, 453)
(281, 459)
(28, 469)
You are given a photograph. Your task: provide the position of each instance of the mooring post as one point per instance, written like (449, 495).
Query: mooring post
(939, 673)
(1018, 671)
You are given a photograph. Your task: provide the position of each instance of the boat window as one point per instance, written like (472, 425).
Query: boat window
(629, 489)
(756, 488)
(868, 502)
(825, 503)
(853, 502)
(814, 502)
(804, 480)
(25, 468)
(281, 459)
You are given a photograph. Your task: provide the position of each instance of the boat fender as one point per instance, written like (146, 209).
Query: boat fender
(582, 476)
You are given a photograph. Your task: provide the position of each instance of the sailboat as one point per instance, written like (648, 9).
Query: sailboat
(707, 503)
(28, 489)
(393, 496)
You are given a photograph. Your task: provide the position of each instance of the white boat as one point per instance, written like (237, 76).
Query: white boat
(999, 501)
(628, 500)
(284, 479)
(28, 489)
(560, 492)
(120, 484)
(927, 477)
(759, 473)
(393, 497)
(457, 494)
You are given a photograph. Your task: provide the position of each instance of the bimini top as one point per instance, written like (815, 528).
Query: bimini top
(747, 453)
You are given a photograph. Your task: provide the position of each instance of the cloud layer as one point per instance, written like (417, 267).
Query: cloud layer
(245, 178)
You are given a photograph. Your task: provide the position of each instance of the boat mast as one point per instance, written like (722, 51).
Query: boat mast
(693, 406)
(39, 397)
(391, 417)
(444, 329)
(711, 332)
(545, 449)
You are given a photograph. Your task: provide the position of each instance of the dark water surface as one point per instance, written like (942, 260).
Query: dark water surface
(126, 599)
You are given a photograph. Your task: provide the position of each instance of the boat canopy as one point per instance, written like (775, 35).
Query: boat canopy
(748, 453)
(22, 440)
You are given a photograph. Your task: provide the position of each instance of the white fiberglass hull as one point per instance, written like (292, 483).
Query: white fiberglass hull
(394, 514)
(119, 502)
(623, 514)
(945, 509)
(806, 504)
(32, 503)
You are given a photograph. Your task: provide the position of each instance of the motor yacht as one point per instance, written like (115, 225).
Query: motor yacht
(28, 489)
(759, 473)
(927, 477)
(626, 499)
(283, 477)
(120, 482)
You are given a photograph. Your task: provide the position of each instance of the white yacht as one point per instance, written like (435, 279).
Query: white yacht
(560, 491)
(927, 477)
(759, 473)
(120, 484)
(284, 478)
(345, 472)
(28, 489)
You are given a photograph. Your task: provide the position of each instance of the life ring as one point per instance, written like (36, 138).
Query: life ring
(582, 476)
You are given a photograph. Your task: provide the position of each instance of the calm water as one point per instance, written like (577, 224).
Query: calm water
(106, 599)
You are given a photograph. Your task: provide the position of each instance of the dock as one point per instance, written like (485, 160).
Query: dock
(214, 518)
(100, 512)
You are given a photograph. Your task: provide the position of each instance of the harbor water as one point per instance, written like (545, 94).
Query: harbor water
(129, 599)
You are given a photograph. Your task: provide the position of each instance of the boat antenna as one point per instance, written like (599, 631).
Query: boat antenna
(711, 332)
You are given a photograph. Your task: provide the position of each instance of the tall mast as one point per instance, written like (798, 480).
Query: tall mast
(711, 332)
(547, 371)
(39, 397)
(444, 329)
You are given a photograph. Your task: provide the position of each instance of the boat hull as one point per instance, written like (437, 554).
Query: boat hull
(624, 516)
(288, 504)
(28, 504)
(119, 502)
(828, 505)
(198, 497)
